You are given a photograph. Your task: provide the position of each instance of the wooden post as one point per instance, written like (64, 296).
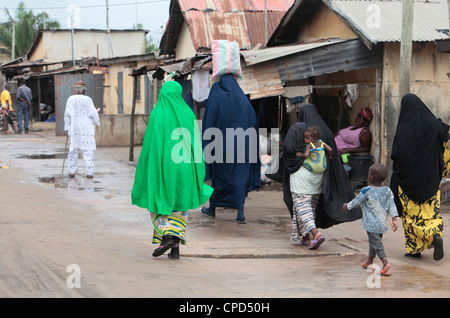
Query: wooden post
(266, 27)
(448, 3)
(378, 115)
(406, 47)
(39, 99)
(133, 108)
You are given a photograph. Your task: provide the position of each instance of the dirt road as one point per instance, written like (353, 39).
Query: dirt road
(63, 237)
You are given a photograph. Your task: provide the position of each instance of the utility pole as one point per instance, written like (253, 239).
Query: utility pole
(107, 27)
(72, 36)
(136, 15)
(13, 44)
(406, 47)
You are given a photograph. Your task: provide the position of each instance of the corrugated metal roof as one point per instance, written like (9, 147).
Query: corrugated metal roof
(239, 20)
(252, 57)
(381, 21)
(255, 25)
(340, 56)
(261, 80)
(66, 70)
(207, 26)
(235, 5)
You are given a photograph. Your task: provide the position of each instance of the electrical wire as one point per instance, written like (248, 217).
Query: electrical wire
(95, 5)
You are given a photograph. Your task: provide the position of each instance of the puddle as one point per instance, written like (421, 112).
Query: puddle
(41, 156)
(87, 185)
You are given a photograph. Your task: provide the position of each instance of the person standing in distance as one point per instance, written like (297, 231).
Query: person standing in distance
(6, 104)
(80, 119)
(24, 97)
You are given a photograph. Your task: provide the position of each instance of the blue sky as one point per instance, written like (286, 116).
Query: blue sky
(91, 14)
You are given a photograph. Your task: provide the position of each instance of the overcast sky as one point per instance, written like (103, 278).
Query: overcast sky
(91, 14)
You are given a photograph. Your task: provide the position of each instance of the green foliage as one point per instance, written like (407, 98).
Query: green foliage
(149, 45)
(26, 26)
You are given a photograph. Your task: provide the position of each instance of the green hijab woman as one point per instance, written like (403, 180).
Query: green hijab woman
(170, 172)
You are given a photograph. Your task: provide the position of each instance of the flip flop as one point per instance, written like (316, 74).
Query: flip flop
(385, 271)
(364, 265)
(165, 245)
(307, 243)
(316, 243)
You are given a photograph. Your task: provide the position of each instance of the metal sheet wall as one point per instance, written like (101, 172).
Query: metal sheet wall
(345, 56)
(64, 88)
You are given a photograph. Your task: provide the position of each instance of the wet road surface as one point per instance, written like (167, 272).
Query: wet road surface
(52, 224)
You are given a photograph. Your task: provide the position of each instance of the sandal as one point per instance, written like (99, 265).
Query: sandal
(305, 242)
(316, 243)
(166, 243)
(174, 252)
(364, 265)
(385, 270)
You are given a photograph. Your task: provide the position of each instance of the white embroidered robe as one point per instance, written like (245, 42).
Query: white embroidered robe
(80, 119)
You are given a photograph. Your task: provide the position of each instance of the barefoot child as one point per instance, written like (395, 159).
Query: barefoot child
(377, 201)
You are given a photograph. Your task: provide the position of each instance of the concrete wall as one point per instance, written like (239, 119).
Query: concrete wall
(185, 48)
(114, 130)
(429, 81)
(324, 24)
(110, 95)
(57, 45)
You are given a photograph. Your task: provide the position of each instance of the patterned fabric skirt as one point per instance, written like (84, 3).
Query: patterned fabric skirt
(304, 216)
(174, 224)
(421, 222)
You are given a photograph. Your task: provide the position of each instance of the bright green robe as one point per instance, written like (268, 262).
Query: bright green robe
(170, 172)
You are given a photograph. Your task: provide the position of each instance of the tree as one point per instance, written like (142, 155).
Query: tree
(26, 24)
(149, 45)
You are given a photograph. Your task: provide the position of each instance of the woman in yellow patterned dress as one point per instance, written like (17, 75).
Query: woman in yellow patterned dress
(421, 159)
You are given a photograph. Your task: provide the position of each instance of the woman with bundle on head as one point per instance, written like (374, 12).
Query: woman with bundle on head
(235, 167)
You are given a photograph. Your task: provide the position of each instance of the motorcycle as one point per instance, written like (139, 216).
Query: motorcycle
(5, 115)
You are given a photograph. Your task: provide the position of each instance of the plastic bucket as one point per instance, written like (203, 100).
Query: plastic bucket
(360, 164)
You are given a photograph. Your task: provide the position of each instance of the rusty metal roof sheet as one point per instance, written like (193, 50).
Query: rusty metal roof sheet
(239, 20)
(235, 5)
(207, 26)
(65, 70)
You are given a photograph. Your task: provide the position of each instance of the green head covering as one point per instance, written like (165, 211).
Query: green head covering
(171, 171)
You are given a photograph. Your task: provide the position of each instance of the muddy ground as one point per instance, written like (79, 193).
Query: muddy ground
(63, 237)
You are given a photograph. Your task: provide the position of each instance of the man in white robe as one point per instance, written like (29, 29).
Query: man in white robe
(80, 119)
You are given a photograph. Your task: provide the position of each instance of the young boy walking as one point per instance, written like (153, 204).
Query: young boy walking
(377, 201)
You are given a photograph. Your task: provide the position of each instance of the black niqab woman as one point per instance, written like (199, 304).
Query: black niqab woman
(337, 189)
(417, 151)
